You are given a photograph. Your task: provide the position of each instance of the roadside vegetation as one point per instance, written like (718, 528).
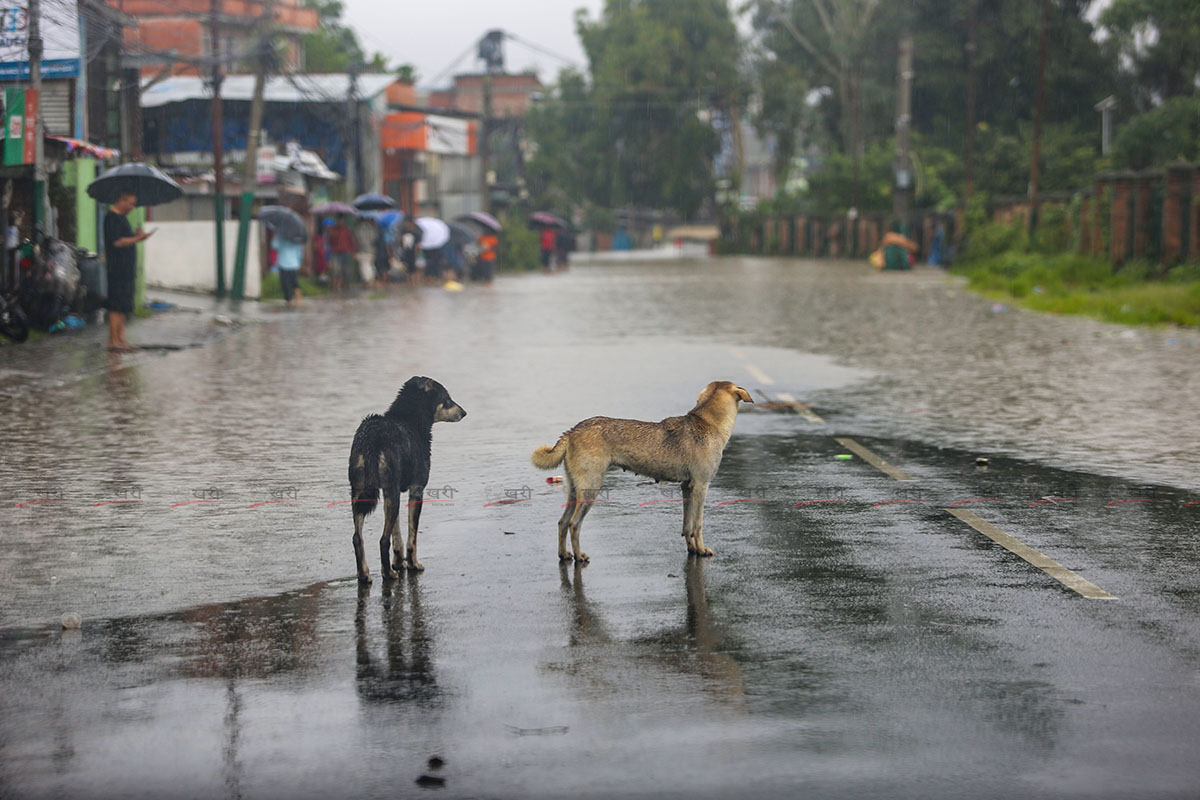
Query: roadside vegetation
(1003, 262)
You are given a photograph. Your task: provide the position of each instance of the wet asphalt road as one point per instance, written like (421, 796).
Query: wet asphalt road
(849, 639)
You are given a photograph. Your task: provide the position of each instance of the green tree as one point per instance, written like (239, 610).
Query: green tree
(659, 69)
(1170, 132)
(847, 46)
(1161, 41)
(334, 47)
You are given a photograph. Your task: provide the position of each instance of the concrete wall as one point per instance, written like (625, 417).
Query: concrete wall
(181, 255)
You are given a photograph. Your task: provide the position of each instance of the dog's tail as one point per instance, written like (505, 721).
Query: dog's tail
(550, 457)
(364, 484)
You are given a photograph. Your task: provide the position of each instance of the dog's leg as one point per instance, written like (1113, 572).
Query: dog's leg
(585, 496)
(698, 493)
(415, 496)
(688, 516)
(565, 520)
(391, 511)
(360, 555)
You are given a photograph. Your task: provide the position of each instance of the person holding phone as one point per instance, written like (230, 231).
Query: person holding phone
(120, 257)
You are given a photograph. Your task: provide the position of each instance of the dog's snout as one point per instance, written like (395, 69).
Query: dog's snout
(462, 412)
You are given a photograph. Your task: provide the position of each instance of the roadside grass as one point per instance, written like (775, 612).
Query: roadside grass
(271, 288)
(1139, 293)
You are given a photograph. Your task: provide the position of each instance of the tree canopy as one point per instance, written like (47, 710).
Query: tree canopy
(637, 129)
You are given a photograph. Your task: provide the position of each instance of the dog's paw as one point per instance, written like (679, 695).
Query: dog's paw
(564, 556)
(704, 552)
(399, 564)
(390, 575)
(364, 577)
(415, 566)
(582, 558)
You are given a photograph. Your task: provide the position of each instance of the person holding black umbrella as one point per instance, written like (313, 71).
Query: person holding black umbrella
(120, 255)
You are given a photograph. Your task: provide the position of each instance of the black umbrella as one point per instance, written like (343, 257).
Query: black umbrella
(373, 202)
(461, 234)
(150, 184)
(285, 222)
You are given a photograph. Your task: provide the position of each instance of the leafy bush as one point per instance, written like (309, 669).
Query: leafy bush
(993, 239)
(519, 246)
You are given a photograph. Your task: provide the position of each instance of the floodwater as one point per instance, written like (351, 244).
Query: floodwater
(189, 504)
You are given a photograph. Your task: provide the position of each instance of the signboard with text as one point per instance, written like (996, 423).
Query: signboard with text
(60, 38)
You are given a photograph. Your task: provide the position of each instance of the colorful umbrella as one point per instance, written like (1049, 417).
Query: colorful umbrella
(480, 218)
(548, 220)
(333, 209)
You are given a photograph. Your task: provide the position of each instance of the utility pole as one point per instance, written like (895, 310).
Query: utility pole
(969, 155)
(1035, 173)
(40, 210)
(250, 175)
(218, 144)
(484, 130)
(901, 199)
(354, 140)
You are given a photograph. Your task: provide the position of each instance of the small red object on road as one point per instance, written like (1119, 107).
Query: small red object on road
(554, 479)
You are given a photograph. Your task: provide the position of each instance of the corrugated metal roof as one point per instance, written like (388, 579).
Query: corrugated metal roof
(331, 88)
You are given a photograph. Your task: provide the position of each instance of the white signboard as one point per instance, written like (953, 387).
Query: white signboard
(60, 39)
(447, 136)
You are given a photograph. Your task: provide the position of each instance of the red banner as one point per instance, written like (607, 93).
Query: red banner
(30, 125)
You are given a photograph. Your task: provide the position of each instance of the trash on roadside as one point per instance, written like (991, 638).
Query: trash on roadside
(981, 461)
(221, 319)
(843, 456)
(72, 621)
(554, 480)
(999, 308)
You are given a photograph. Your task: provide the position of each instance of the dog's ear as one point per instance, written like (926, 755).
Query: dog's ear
(742, 394)
(427, 384)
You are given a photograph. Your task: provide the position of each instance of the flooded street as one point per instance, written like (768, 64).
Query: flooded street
(849, 638)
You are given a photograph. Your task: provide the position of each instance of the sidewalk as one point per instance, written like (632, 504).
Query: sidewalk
(66, 357)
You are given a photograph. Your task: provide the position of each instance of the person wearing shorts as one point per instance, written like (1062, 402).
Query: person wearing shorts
(120, 258)
(288, 256)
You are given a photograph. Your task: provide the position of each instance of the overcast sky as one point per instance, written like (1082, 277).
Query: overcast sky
(433, 35)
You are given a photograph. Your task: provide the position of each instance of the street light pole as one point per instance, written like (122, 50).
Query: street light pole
(218, 145)
(250, 175)
(40, 210)
(903, 168)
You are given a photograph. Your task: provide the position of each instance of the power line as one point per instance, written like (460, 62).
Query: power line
(539, 49)
(455, 62)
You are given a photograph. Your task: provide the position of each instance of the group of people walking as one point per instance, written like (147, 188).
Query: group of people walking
(357, 251)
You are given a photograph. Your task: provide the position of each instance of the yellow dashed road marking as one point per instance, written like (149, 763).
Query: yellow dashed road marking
(1043, 562)
(874, 460)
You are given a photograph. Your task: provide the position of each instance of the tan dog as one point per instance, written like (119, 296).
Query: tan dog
(686, 449)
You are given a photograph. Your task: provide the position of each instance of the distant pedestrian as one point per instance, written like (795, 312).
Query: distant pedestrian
(454, 259)
(366, 234)
(564, 244)
(485, 266)
(410, 247)
(547, 243)
(288, 256)
(320, 259)
(383, 258)
(120, 256)
(342, 248)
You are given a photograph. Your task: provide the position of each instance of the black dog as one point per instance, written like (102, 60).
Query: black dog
(391, 452)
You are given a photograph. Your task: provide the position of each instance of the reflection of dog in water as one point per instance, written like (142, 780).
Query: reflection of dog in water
(407, 673)
(686, 449)
(698, 648)
(391, 453)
